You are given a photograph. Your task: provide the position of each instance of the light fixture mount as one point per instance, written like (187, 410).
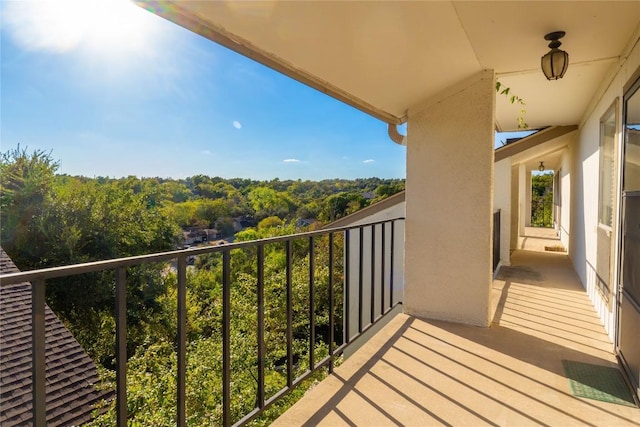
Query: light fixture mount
(556, 61)
(554, 38)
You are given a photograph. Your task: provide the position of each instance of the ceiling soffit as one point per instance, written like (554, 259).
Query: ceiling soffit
(547, 145)
(388, 57)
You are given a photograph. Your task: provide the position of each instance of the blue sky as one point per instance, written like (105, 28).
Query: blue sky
(117, 91)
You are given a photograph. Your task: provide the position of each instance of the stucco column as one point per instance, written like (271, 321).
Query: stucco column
(515, 212)
(448, 269)
(502, 201)
(527, 213)
(522, 200)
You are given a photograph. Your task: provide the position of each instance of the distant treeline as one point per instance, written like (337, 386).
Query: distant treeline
(203, 201)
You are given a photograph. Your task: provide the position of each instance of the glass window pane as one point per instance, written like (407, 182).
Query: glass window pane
(632, 143)
(607, 170)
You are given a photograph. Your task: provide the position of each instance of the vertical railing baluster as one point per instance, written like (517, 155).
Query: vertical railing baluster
(360, 279)
(182, 340)
(261, 356)
(373, 274)
(226, 338)
(38, 352)
(312, 298)
(391, 266)
(289, 247)
(121, 346)
(347, 288)
(382, 265)
(331, 296)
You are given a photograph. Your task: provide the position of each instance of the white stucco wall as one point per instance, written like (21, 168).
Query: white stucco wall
(396, 211)
(448, 268)
(502, 201)
(565, 198)
(584, 185)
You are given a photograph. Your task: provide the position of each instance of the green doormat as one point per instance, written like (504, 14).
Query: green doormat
(597, 382)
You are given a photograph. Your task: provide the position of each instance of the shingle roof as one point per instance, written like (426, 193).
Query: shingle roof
(71, 374)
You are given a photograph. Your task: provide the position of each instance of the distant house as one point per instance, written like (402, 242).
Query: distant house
(71, 374)
(369, 195)
(305, 222)
(212, 234)
(195, 236)
(242, 222)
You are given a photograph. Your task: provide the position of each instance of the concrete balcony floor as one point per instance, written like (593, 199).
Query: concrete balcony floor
(536, 238)
(418, 373)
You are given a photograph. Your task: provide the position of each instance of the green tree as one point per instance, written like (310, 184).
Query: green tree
(270, 222)
(542, 200)
(266, 202)
(103, 222)
(26, 190)
(338, 205)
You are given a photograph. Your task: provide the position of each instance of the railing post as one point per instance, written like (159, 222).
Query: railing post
(261, 356)
(496, 238)
(182, 340)
(226, 339)
(382, 265)
(331, 297)
(347, 287)
(312, 298)
(289, 246)
(121, 346)
(38, 349)
(391, 264)
(372, 315)
(360, 278)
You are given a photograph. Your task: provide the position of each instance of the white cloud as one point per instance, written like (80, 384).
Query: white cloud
(206, 152)
(368, 161)
(237, 124)
(291, 161)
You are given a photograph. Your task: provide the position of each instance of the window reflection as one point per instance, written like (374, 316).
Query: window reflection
(632, 143)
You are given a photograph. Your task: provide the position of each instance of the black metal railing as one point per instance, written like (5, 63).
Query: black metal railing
(377, 263)
(496, 239)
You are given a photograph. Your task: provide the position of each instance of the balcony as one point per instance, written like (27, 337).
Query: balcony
(410, 371)
(421, 372)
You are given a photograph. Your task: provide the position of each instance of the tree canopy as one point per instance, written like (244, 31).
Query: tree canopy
(49, 220)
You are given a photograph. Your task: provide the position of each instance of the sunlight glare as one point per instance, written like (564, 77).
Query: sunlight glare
(106, 26)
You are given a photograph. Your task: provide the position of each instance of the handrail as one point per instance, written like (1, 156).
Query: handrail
(92, 267)
(496, 238)
(353, 253)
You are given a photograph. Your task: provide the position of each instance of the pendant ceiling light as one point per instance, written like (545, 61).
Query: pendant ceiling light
(541, 167)
(555, 62)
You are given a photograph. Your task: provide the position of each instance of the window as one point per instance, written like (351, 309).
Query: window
(607, 166)
(632, 141)
(631, 195)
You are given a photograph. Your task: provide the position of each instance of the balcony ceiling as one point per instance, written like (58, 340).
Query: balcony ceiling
(388, 57)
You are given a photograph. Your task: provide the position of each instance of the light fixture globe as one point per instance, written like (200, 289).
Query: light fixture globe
(556, 61)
